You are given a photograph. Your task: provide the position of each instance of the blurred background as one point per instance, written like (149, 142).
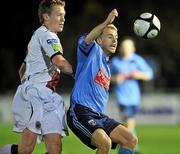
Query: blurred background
(161, 97)
(20, 20)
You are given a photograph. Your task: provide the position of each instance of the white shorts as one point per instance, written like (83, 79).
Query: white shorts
(39, 109)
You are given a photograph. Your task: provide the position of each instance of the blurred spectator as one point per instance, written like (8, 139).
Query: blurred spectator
(127, 69)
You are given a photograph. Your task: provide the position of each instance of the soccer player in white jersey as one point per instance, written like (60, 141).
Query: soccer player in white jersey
(37, 108)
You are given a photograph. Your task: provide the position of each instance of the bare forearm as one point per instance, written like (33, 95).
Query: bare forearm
(119, 78)
(62, 64)
(140, 76)
(95, 33)
(66, 67)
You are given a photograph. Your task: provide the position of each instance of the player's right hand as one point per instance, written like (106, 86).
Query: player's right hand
(111, 16)
(120, 78)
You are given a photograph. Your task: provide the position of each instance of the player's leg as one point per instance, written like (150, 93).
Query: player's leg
(53, 124)
(131, 125)
(101, 140)
(125, 138)
(28, 117)
(53, 143)
(86, 125)
(9, 149)
(27, 142)
(129, 113)
(22, 112)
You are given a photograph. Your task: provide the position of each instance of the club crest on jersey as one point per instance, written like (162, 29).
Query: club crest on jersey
(102, 79)
(92, 122)
(38, 124)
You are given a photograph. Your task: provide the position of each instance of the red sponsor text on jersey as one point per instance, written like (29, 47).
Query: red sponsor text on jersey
(102, 79)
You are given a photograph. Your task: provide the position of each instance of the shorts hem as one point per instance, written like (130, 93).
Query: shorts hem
(18, 130)
(55, 132)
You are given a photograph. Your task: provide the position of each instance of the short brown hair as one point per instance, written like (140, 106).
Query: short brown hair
(45, 6)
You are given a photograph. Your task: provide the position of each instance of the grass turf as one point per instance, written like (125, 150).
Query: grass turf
(153, 140)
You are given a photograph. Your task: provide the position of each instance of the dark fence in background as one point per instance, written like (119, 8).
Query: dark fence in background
(163, 52)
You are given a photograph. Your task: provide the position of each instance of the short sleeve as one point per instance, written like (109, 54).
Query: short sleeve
(144, 66)
(84, 48)
(51, 44)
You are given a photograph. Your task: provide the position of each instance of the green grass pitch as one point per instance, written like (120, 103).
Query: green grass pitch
(153, 140)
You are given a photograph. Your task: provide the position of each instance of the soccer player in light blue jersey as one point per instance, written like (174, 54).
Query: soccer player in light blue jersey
(89, 96)
(127, 69)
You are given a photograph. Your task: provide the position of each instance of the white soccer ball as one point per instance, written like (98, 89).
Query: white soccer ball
(147, 25)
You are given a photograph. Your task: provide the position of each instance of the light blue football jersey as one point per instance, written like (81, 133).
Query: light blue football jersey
(92, 78)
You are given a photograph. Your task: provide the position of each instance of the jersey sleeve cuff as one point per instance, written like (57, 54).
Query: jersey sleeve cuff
(57, 53)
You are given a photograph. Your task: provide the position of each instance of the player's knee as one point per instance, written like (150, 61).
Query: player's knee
(25, 150)
(134, 141)
(105, 145)
(131, 141)
(54, 147)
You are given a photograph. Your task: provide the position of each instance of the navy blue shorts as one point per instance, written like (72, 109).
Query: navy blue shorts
(83, 121)
(129, 111)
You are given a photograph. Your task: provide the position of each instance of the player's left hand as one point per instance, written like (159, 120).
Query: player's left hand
(111, 16)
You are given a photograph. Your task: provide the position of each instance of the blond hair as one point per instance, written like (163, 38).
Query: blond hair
(45, 6)
(111, 26)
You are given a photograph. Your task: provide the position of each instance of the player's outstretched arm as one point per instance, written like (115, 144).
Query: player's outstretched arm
(94, 33)
(62, 64)
(139, 75)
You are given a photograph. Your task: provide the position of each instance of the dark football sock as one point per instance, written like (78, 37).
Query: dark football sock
(14, 149)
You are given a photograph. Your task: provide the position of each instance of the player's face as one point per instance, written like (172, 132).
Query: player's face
(56, 19)
(127, 48)
(109, 41)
